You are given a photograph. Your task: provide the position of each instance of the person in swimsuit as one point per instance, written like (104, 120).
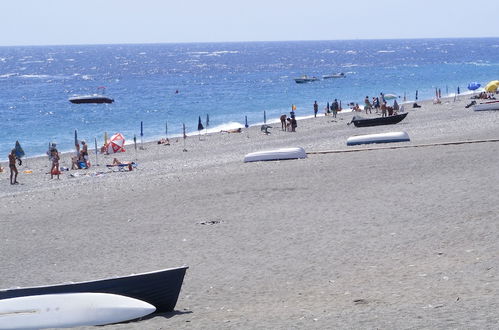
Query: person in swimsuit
(55, 164)
(12, 166)
(84, 153)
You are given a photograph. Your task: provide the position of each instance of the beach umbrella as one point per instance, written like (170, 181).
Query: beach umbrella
(207, 121)
(200, 127)
(166, 129)
(184, 135)
(492, 86)
(417, 94)
(395, 105)
(96, 152)
(264, 117)
(246, 125)
(200, 124)
(76, 137)
(19, 152)
(105, 138)
(141, 133)
(116, 144)
(473, 86)
(390, 96)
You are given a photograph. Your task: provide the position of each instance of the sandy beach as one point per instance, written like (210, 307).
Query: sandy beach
(388, 239)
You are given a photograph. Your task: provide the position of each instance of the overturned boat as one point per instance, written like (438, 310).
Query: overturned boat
(276, 154)
(158, 288)
(390, 120)
(487, 106)
(388, 137)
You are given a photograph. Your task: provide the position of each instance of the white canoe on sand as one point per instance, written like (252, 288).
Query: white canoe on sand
(487, 106)
(70, 310)
(378, 138)
(276, 154)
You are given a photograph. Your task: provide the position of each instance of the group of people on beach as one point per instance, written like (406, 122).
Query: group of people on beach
(484, 96)
(332, 109)
(289, 124)
(80, 160)
(379, 104)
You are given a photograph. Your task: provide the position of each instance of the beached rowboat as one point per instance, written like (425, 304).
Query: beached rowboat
(390, 120)
(487, 106)
(378, 138)
(159, 288)
(276, 154)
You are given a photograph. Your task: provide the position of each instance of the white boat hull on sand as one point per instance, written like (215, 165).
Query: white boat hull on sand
(388, 137)
(276, 154)
(70, 310)
(488, 106)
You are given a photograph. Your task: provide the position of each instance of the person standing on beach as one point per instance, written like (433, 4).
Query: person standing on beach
(327, 110)
(12, 166)
(335, 107)
(84, 153)
(316, 109)
(383, 109)
(367, 105)
(376, 104)
(54, 170)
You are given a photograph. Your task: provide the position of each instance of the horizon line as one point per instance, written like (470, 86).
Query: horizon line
(237, 41)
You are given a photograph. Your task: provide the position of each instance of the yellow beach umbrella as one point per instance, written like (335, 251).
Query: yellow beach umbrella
(492, 86)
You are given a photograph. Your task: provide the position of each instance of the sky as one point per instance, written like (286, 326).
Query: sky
(63, 22)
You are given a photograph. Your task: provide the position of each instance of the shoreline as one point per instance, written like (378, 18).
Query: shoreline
(232, 125)
(392, 238)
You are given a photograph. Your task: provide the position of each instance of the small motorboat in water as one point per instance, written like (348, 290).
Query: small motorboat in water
(305, 79)
(98, 97)
(92, 98)
(336, 75)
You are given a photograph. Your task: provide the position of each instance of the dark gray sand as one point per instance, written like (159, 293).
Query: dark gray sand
(388, 239)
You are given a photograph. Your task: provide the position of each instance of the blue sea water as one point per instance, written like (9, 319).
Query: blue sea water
(228, 81)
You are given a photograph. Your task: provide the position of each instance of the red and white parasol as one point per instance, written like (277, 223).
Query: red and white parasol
(116, 144)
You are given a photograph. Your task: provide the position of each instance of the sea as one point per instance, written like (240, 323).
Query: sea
(161, 87)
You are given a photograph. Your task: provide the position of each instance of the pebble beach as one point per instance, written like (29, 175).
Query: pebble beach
(392, 238)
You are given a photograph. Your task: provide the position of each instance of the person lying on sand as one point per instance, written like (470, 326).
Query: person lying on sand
(164, 141)
(116, 162)
(235, 130)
